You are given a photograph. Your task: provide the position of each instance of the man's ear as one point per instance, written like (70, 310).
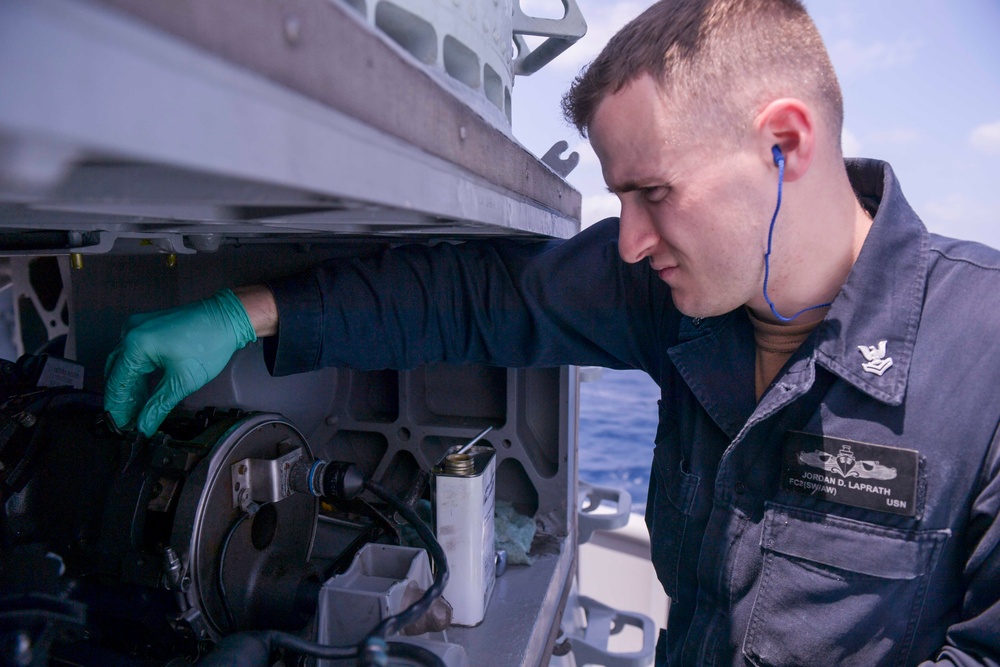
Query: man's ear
(789, 124)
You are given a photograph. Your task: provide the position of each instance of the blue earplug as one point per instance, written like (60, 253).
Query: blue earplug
(779, 161)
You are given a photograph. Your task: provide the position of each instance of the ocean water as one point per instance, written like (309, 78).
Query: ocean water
(618, 418)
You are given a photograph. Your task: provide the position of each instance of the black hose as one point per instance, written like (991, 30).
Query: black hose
(394, 624)
(415, 653)
(245, 648)
(253, 649)
(222, 560)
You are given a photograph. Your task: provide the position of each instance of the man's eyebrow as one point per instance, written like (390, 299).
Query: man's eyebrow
(632, 186)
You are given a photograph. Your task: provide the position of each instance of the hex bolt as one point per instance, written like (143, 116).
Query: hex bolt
(501, 562)
(22, 649)
(172, 569)
(293, 29)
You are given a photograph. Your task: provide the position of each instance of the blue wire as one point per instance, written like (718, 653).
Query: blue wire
(779, 160)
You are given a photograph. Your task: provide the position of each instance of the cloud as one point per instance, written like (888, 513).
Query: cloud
(589, 180)
(948, 210)
(850, 143)
(986, 138)
(587, 155)
(599, 206)
(899, 135)
(544, 9)
(853, 57)
(604, 19)
(963, 217)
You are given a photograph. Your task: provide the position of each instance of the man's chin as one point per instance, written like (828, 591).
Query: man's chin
(699, 309)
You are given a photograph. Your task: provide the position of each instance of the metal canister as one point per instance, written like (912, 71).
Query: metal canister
(464, 503)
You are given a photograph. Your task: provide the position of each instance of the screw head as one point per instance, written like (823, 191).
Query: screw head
(292, 29)
(22, 649)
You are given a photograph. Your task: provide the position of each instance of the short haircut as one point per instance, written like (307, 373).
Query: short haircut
(724, 59)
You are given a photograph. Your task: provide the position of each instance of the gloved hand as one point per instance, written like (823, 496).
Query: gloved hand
(191, 343)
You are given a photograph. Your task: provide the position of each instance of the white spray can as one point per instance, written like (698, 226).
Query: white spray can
(464, 503)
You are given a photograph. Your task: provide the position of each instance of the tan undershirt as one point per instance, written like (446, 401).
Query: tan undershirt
(775, 344)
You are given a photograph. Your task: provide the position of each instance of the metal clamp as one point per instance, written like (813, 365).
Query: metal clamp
(556, 163)
(257, 481)
(589, 498)
(604, 621)
(561, 33)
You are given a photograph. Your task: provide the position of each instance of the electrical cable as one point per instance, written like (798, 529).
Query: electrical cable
(222, 560)
(415, 653)
(374, 642)
(246, 648)
(779, 160)
(253, 648)
(394, 624)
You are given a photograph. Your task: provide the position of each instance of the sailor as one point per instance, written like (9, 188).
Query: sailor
(796, 314)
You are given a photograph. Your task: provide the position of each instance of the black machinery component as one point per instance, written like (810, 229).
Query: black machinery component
(111, 544)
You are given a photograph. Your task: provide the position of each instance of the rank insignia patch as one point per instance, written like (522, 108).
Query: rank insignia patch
(876, 362)
(853, 473)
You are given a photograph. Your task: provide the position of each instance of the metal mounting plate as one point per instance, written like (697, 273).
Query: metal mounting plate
(144, 121)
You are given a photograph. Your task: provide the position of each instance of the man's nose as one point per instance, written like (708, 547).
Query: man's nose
(637, 235)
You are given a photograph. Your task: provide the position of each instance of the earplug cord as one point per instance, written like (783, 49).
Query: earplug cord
(779, 160)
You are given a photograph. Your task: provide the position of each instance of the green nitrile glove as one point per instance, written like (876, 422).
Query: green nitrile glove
(191, 343)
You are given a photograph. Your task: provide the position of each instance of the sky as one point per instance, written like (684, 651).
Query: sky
(921, 84)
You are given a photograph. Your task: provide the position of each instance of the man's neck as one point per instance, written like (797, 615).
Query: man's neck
(820, 241)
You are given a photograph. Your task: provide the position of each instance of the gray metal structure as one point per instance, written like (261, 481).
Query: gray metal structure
(173, 148)
(187, 123)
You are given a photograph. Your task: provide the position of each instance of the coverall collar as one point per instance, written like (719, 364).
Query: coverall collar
(883, 297)
(880, 301)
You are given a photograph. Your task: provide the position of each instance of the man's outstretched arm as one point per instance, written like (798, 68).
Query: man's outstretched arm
(504, 303)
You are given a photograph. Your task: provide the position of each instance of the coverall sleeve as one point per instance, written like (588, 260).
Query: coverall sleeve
(975, 639)
(504, 302)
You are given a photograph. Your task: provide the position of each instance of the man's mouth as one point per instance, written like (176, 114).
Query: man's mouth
(665, 271)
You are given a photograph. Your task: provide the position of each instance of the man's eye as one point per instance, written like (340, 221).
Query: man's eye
(656, 193)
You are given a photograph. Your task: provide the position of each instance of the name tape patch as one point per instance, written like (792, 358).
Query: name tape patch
(853, 473)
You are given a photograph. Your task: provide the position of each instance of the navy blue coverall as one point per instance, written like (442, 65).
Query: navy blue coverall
(847, 518)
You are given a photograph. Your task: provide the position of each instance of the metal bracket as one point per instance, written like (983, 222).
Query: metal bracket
(562, 34)
(604, 621)
(99, 242)
(257, 481)
(558, 164)
(193, 620)
(590, 498)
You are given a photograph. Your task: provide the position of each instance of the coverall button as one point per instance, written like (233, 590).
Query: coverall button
(739, 488)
